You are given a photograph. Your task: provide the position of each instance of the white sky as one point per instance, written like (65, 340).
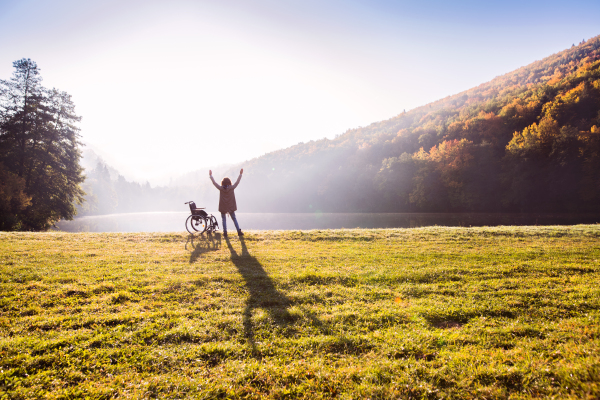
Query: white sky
(166, 87)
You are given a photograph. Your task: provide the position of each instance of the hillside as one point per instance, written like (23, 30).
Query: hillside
(527, 140)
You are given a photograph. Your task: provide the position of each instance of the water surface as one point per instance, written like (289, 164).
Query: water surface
(175, 221)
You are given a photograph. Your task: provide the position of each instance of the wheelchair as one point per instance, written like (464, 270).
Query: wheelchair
(200, 221)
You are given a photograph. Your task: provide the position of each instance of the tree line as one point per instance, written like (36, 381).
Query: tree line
(108, 192)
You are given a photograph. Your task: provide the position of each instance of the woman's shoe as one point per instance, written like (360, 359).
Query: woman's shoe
(224, 234)
(240, 233)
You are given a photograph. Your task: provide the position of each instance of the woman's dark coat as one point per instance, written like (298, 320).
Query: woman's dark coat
(227, 197)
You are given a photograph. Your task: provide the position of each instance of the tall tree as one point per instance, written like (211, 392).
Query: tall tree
(39, 143)
(13, 199)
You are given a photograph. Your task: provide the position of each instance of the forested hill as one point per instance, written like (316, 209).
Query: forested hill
(525, 141)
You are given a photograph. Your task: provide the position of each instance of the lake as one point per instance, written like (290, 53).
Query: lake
(175, 221)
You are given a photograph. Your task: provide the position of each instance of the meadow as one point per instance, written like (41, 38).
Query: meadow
(424, 313)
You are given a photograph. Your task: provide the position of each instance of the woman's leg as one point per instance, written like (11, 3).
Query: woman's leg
(232, 214)
(223, 215)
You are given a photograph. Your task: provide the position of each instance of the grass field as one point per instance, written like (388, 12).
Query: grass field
(508, 312)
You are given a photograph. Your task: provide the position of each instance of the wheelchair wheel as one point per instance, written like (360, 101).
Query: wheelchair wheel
(195, 224)
(214, 223)
(188, 225)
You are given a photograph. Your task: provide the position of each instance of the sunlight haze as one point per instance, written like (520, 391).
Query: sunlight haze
(165, 88)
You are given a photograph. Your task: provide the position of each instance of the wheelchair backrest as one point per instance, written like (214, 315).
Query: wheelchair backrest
(192, 206)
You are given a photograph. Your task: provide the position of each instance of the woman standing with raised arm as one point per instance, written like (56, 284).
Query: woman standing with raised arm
(227, 203)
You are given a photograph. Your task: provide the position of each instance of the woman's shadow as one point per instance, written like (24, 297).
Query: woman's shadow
(263, 293)
(202, 244)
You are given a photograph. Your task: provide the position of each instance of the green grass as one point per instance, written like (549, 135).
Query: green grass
(508, 312)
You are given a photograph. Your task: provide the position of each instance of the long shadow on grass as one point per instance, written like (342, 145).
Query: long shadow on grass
(263, 293)
(202, 244)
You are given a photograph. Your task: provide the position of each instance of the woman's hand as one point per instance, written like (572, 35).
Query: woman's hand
(241, 171)
(210, 172)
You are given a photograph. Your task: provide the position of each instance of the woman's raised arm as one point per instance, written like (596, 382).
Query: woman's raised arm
(215, 183)
(238, 179)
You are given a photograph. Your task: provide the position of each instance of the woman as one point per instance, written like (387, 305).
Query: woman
(227, 200)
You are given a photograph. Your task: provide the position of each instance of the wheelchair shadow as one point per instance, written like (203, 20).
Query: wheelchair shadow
(199, 245)
(263, 293)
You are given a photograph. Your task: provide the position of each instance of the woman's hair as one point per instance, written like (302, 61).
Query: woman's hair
(226, 182)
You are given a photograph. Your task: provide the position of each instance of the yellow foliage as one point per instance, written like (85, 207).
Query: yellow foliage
(421, 155)
(573, 95)
(534, 137)
(523, 140)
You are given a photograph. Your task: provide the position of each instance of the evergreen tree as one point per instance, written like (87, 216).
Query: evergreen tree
(39, 143)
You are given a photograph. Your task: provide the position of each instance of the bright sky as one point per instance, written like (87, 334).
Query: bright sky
(167, 87)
